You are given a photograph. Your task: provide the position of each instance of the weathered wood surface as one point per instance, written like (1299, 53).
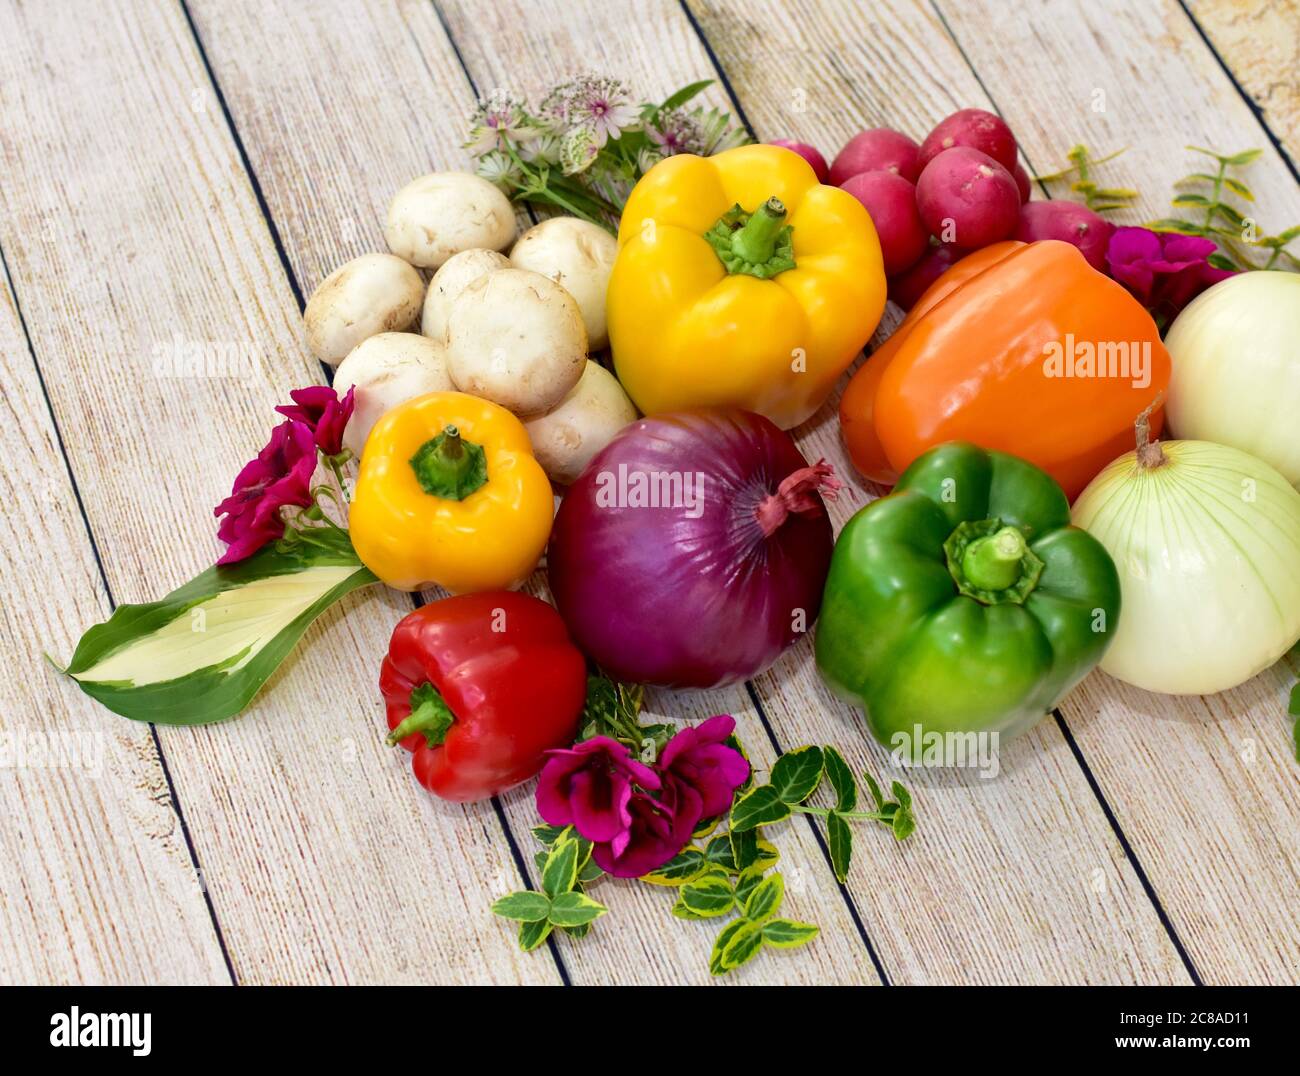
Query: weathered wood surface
(323, 860)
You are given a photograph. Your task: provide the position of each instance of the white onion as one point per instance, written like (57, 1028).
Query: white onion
(1207, 544)
(1236, 372)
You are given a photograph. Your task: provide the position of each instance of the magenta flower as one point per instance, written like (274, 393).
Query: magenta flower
(699, 757)
(660, 828)
(319, 408)
(1163, 270)
(280, 476)
(589, 787)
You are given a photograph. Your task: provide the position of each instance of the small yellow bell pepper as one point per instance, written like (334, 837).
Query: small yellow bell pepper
(741, 281)
(449, 494)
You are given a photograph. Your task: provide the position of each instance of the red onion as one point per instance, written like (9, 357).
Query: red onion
(693, 549)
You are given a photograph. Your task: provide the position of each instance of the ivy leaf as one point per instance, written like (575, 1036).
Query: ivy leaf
(765, 899)
(575, 910)
(747, 882)
(797, 774)
(874, 789)
(531, 935)
(840, 840)
(720, 943)
(759, 807)
(744, 849)
(561, 869)
(788, 934)
(525, 906)
(548, 835)
(743, 945)
(904, 824)
(708, 896)
(718, 852)
(901, 794)
(688, 864)
(841, 779)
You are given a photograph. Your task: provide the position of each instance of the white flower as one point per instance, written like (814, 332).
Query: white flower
(499, 168)
(498, 119)
(577, 150)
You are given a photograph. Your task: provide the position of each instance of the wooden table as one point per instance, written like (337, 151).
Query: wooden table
(178, 173)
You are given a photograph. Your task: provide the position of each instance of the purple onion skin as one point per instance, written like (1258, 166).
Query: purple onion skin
(654, 596)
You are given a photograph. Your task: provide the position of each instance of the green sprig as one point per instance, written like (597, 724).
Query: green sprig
(1079, 171)
(563, 904)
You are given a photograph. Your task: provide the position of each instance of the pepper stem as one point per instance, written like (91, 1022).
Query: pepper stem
(993, 562)
(756, 241)
(449, 466)
(429, 715)
(758, 244)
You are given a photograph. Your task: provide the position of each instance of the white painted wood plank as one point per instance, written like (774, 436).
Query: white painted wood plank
(321, 865)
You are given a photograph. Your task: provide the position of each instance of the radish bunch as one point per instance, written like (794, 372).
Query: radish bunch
(961, 189)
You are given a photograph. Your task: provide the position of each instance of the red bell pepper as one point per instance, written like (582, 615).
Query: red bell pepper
(479, 686)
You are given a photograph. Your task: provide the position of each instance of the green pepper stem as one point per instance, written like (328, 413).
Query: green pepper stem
(429, 715)
(993, 562)
(756, 241)
(449, 466)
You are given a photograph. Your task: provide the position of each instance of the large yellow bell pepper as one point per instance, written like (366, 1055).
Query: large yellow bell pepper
(449, 494)
(741, 281)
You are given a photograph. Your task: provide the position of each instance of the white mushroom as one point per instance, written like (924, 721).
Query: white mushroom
(577, 255)
(566, 437)
(516, 338)
(387, 370)
(374, 293)
(456, 274)
(443, 213)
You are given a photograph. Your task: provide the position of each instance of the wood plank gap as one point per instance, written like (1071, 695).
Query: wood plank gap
(417, 600)
(1062, 724)
(1251, 103)
(112, 602)
(849, 902)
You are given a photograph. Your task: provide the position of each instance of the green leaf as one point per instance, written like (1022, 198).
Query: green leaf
(525, 906)
(687, 864)
(1293, 707)
(1220, 261)
(1243, 158)
(1289, 234)
(744, 848)
(589, 872)
(718, 851)
(901, 794)
(840, 840)
(686, 93)
(204, 651)
(1175, 224)
(765, 854)
(704, 828)
(797, 773)
(720, 943)
(765, 899)
(1190, 199)
(531, 935)
(761, 806)
(1196, 177)
(841, 779)
(580, 931)
(575, 909)
(1229, 214)
(1238, 188)
(548, 835)
(877, 796)
(743, 945)
(904, 824)
(561, 869)
(747, 882)
(708, 896)
(788, 934)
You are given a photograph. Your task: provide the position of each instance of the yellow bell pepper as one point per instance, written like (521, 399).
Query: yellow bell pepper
(741, 281)
(449, 494)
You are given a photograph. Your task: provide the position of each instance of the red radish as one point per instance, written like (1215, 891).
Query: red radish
(891, 201)
(807, 152)
(967, 198)
(876, 150)
(1022, 181)
(1071, 223)
(975, 129)
(906, 288)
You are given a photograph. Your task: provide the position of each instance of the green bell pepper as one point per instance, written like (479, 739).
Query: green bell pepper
(964, 601)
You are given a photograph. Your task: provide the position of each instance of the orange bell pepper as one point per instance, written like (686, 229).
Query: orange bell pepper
(1022, 348)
